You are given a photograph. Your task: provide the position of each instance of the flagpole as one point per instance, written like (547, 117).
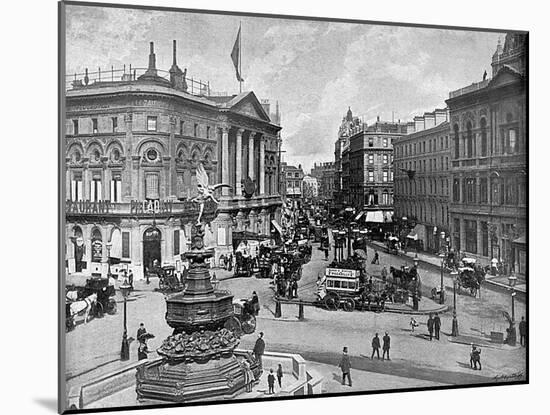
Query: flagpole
(240, 60)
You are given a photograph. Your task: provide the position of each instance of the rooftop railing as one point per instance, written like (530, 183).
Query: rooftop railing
(470, 88)
(112, 77)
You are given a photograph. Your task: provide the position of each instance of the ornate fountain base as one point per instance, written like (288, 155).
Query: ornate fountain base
(221, 378)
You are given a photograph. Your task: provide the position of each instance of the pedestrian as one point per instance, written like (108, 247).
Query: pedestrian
(141, 331)
(523, 332)
(475, 357)
(375, 347)
(295, 288)
(384, 273)
(131, 279)
(143, 350)
(345, 366)
(280, 375)
(248, 376)
(255, 303)
(289, 289)
(494, 265)
(386, 346)
(430, 325)
(413, 324)
(259, 349)
(271, 382)
(376, 258)
(437, 325)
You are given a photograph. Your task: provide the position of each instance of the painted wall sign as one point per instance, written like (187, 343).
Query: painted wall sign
(87, 206)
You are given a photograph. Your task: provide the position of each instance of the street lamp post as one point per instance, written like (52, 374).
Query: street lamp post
(442, 292)
(108, 245)
(512, 335)
(125, 289)
(454, 331)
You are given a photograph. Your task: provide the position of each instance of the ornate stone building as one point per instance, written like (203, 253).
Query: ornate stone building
(324, 172)
(293, 184)
(133, 144)
(488, 122)
(422, 177)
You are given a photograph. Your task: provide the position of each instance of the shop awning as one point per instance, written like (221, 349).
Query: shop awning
(374, 216)
(520, 241)
(359, 215)
(417, 233)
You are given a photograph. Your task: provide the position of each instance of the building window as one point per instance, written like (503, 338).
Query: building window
(76, 187)
(484, 239)
(94, 125)
(151, 123)
(511, 193)
(469, 140)
(176, 242)
(207, 131)
(371, 142)
(446, 141)
(196, 130)
(116, 188)
(471, 190)
(75, 127)
(483, 190)
(385, 159)
(371, 158)
(114, 123)
(512, 142)
(152, 186)
(483, 126)
(95, 188)
(456, 141)
(371, 175)
(385, 176)
(182, 127)
(456, 190)
(125, 244)
(471, 236)
(385, 142)
(446, 163)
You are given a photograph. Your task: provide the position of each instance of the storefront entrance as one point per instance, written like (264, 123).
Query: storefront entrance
(151, 250)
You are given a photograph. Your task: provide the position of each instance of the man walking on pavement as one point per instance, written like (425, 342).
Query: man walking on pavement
(430, 325)
(437, 325)
(386, 346)
(523, 332)
(259, 349)
(345, 366)
(375, 347)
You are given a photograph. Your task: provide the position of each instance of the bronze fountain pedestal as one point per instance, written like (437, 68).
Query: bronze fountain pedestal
(198, 359)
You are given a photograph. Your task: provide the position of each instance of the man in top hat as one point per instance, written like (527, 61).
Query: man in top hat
(259, 348)
(386, 346)
(345, 366)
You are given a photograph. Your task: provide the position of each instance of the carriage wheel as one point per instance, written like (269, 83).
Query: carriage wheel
(111, 306)
(349, 304)
(332, 301)
(249, 324)
(99, 312)
(233, 324)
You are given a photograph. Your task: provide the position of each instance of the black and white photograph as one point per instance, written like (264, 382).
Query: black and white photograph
(266, 207)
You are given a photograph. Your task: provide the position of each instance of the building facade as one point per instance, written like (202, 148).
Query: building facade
(349, 125)
(488, 122)
(133, 145)
(310, 187)
(422, 177)
(368, 167)
(293, 183)
(324, 173)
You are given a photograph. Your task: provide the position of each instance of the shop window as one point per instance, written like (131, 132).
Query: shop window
(151, 123)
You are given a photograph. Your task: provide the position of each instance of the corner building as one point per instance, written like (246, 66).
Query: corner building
(133, 144)
(488, 122)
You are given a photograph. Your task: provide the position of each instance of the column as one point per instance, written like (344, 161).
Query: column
(225, 159)
(86, 184)
(479, 238)
(262, 165)
(251, 155)
(238, 162)
(171, 184)
(129, 190)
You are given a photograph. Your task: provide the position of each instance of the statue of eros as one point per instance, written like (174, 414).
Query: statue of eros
(206, 191)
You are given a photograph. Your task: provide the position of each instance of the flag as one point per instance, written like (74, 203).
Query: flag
(236, 56)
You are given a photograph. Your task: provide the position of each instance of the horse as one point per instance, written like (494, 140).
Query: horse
(83, 306)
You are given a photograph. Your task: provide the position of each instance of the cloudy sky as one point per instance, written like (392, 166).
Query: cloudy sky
(314, 69)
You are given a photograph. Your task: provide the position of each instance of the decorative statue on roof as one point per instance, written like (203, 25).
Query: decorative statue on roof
(206, 191)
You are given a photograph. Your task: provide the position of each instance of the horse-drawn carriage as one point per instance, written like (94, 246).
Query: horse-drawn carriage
(392, 245)
(470, 276)
(243, 265)
(243, 319)
(89, 296)
(168, 280)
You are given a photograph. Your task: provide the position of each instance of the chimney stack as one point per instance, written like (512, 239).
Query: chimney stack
(174, 53)
(152, 68)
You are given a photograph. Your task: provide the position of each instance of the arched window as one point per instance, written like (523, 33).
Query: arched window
(469, 139)
(457, 141)
(483, 126)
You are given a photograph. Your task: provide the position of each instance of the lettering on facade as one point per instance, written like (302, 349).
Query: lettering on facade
(150, 206)
(87, 206)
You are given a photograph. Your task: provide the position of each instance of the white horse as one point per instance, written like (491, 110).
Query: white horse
(83, 306)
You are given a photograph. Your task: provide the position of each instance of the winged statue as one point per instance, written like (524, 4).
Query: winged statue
(206, 191)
